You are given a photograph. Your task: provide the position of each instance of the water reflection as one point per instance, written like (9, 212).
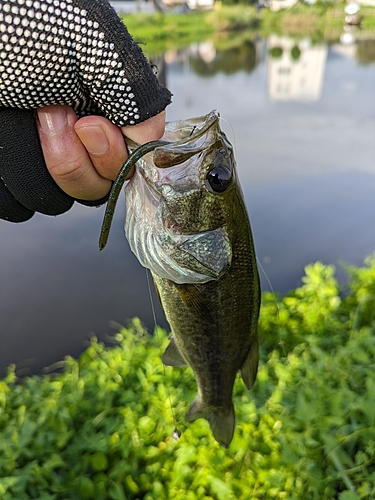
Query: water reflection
(208, 58)
(306, 166)
(206, 61)
(57, 290)
(365, 51)
(295, 68)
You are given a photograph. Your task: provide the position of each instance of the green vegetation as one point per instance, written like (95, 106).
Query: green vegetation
(303, 20)
(102, 429)
(159, 32)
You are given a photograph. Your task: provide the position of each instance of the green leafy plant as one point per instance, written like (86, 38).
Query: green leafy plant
(102, 429)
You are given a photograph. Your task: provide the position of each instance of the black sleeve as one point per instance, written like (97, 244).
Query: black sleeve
(26, 185)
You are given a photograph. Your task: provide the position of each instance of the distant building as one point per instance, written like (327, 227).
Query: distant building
(276, 5)
(366, 2)
(295, 72)
(131, 6)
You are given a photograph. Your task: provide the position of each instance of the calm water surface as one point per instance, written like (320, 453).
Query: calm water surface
(302, 119)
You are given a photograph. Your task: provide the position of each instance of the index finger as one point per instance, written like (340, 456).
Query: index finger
(149, 130)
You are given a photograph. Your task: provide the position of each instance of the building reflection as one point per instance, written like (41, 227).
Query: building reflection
(206, 59)
(295, 69)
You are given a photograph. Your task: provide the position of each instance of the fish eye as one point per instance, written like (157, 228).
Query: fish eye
(219, 178)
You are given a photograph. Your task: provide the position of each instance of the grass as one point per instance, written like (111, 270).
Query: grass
(160, 32)
(157, 33)
(102, 429)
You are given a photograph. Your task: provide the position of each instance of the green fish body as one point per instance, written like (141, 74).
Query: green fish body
(187, 222)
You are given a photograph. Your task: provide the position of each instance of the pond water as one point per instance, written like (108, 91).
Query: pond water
(302, 119)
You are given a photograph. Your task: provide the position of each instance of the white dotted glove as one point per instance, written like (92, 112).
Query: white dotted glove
(74, 52)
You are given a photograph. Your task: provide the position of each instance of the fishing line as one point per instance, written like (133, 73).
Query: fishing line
(232, 129)
(175, 433)
(281, 343)
(265, 275)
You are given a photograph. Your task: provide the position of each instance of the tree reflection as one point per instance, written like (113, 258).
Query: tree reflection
(241, 57)
(365, 53)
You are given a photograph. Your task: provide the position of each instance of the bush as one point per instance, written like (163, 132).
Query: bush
(103, 428)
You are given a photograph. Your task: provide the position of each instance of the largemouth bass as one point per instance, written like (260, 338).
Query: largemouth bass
(186, 221)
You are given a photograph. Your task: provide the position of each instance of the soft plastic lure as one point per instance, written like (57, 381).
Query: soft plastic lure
(118, 184)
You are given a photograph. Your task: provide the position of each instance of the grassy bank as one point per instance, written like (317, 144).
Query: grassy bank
(160, 32)
(317, 21)
(102, 429)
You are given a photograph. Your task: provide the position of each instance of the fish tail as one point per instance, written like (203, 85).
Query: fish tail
(221, 420)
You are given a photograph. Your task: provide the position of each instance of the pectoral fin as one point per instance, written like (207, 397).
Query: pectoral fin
(158, 295)
(250, 367)
(194, 299)
(172, 356)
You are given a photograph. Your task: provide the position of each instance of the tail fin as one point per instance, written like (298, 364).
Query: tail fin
(221, 421)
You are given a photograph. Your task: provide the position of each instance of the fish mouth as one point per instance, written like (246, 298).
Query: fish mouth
(159, 241)
(169, 164)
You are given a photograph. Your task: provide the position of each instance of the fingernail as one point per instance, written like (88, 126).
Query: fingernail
(94, 139)
(52, 119)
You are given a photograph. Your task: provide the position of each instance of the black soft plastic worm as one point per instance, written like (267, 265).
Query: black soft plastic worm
(117, 186)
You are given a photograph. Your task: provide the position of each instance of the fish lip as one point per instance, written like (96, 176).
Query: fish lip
(207, 121)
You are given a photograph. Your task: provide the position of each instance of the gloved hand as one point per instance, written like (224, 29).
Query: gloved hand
(74, 52)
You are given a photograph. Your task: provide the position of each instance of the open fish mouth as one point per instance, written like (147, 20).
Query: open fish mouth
(158, 238)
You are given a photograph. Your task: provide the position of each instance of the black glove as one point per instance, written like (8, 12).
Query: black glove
(77, 53)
